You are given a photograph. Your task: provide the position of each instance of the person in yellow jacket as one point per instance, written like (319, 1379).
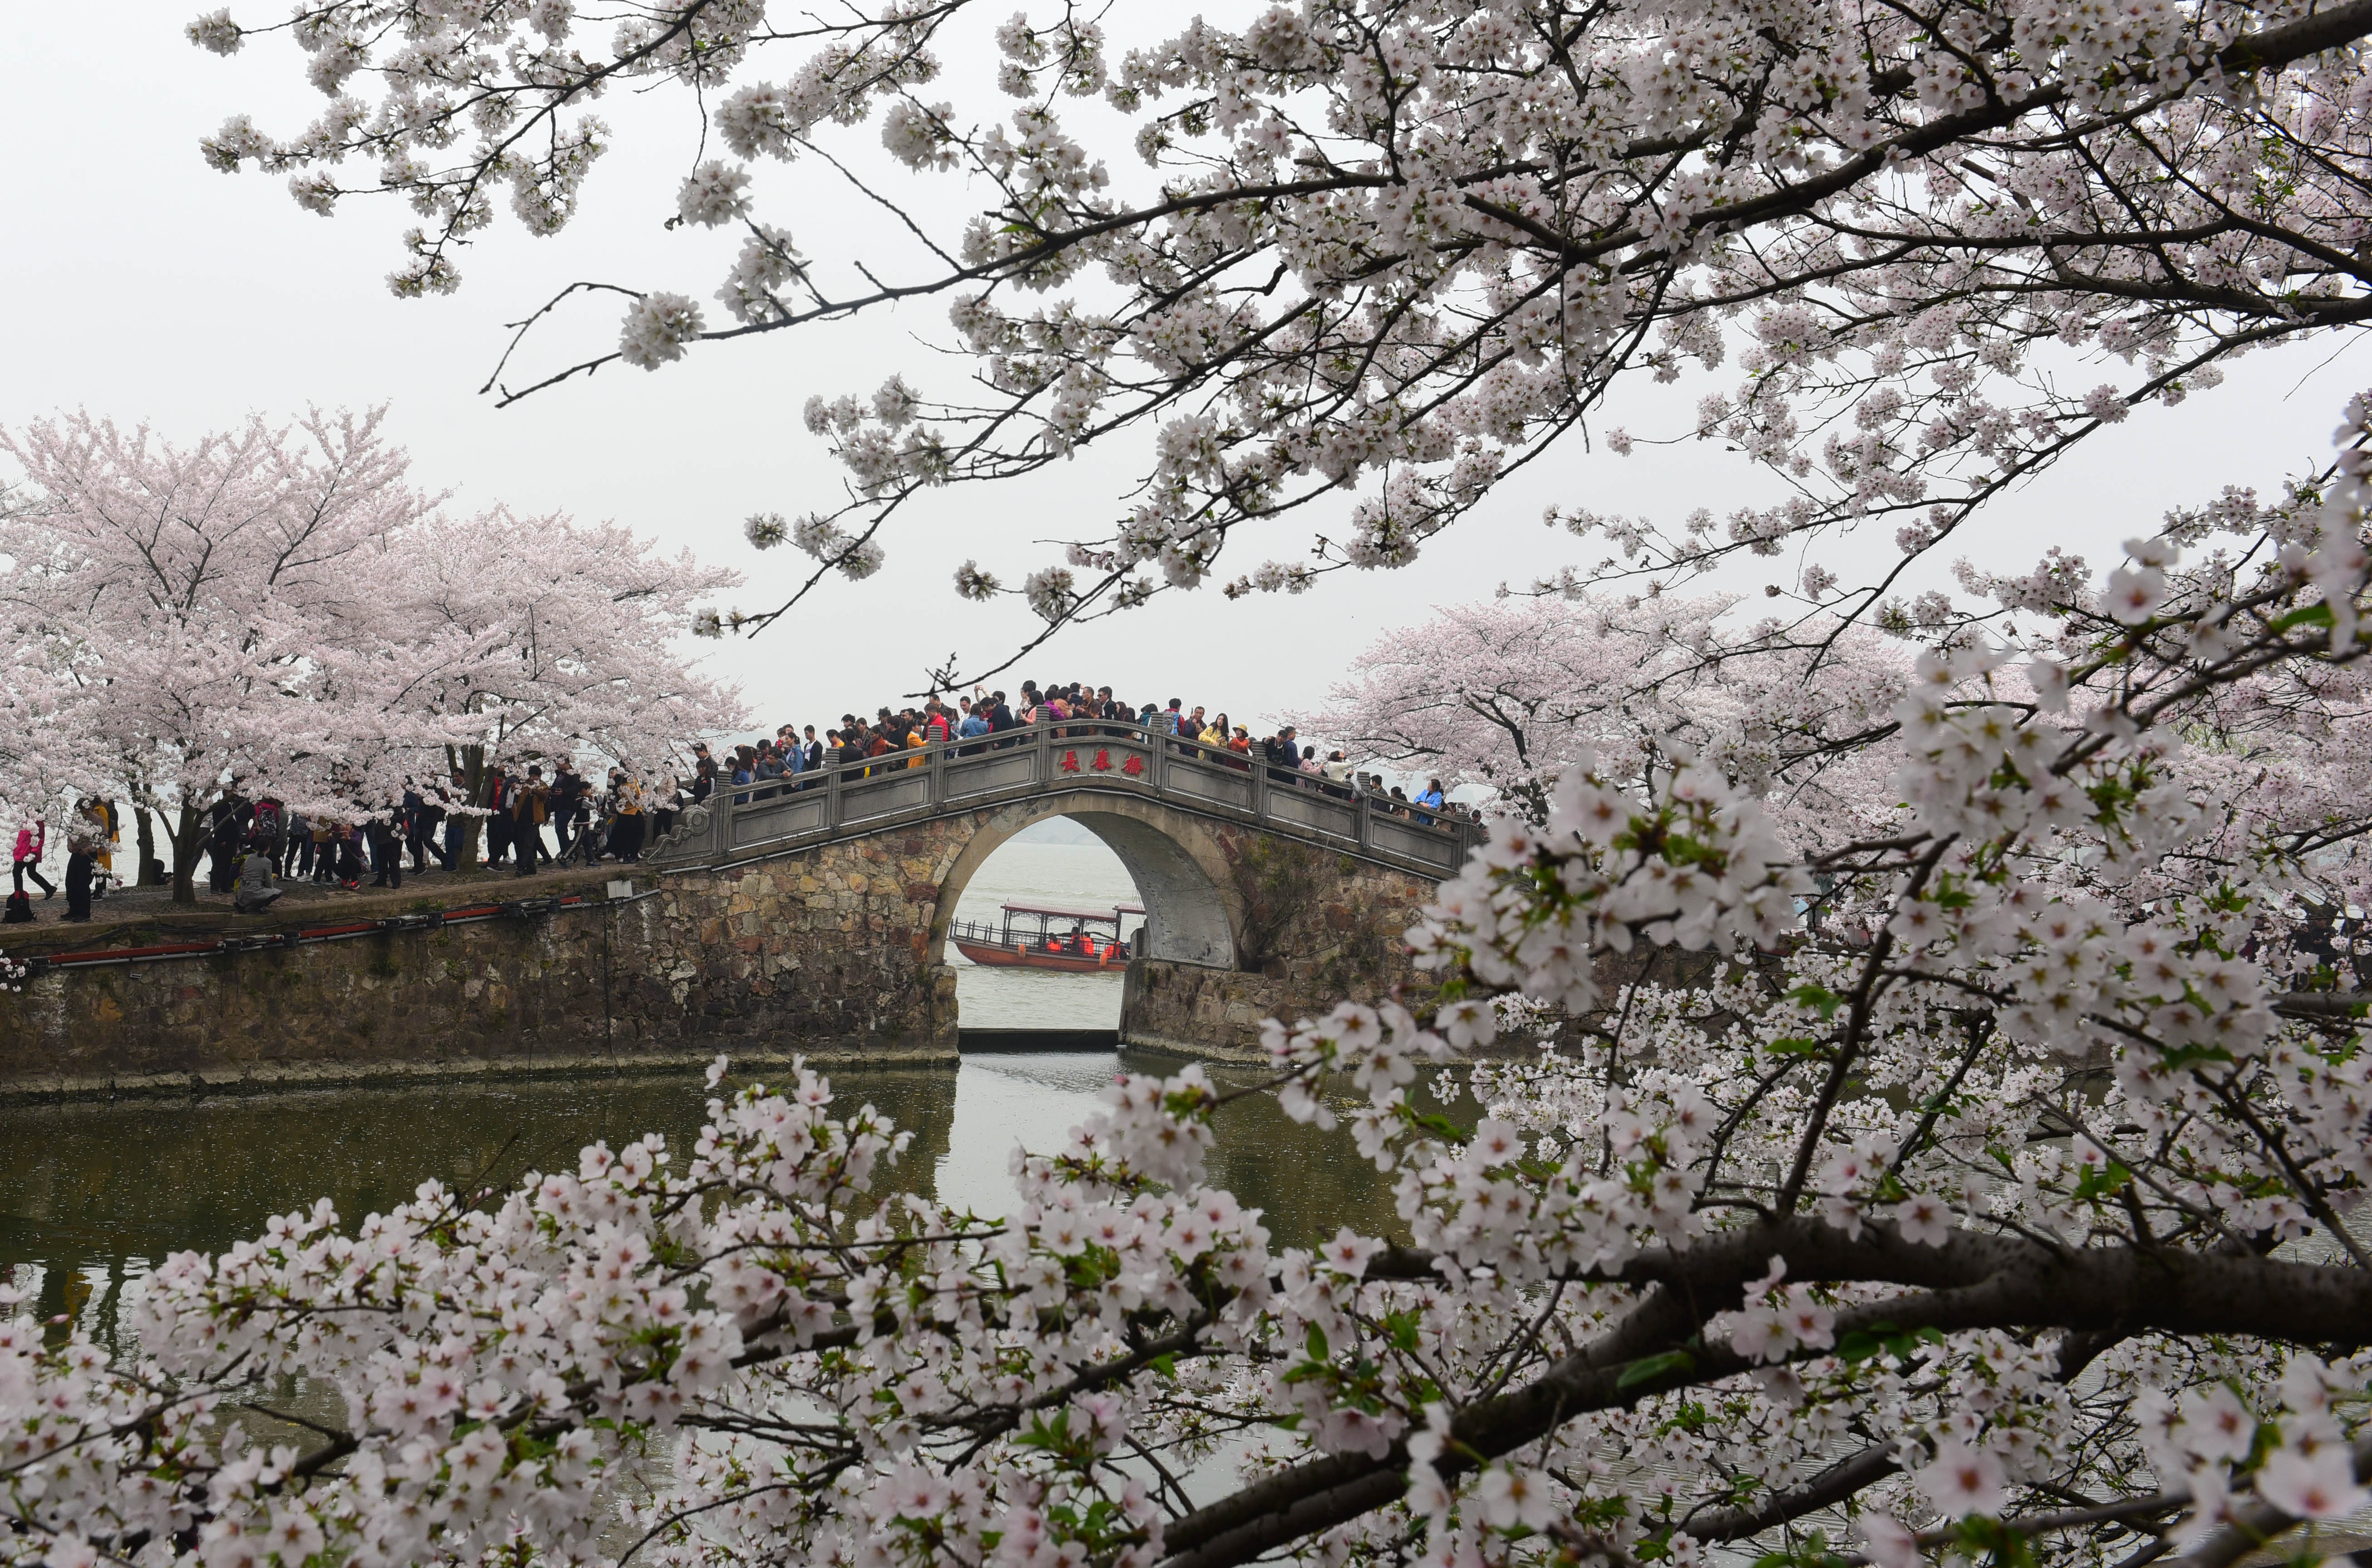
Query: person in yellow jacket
(104, 837)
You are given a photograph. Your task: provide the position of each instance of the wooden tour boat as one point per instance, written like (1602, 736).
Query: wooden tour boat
(1067, 938)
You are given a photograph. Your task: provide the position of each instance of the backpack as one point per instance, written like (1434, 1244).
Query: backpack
(265, 828)
(20, 911)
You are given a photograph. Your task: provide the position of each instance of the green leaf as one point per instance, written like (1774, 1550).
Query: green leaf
(2102, 1181)
(1646, 1369)
(1858, 1345)
(1819, 998)
(1314, 1342)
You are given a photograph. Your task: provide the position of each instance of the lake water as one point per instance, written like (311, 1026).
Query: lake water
(93, 1195)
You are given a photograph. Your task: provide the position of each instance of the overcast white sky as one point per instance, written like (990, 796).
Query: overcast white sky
(142, 285)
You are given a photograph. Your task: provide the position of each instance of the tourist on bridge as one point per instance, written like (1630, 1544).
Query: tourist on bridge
(666, 806)
(32, 839)
(528, 801)
(82, 857)
(626, 816)
(1284, 758)
(498, 822)
(386, 831)
(566, 807)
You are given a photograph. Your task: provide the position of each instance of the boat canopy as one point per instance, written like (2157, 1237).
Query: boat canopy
(1074, 912)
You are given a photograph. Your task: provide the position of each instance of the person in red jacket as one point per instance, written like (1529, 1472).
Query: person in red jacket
(31, 840)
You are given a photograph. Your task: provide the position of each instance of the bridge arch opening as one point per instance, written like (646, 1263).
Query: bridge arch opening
(1188, 914)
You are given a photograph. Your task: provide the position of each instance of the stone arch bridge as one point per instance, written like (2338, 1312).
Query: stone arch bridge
(809, 919)
(816, 916)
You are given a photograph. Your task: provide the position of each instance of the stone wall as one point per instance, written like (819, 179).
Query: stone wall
(519, 993)
(820, 953)
(1316, 929)
(828, 946)
(832, 952)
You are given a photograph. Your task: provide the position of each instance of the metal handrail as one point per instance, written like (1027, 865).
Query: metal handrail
(824, 804)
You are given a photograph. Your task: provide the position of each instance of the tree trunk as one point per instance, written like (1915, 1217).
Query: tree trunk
(470, 767)
(186, 836)
(147, 845)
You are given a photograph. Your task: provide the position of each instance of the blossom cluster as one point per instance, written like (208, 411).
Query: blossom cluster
(1398, 247)
(282, 608)
(2014, 1175)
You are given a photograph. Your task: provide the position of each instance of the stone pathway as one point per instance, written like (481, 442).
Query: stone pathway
(134, 916)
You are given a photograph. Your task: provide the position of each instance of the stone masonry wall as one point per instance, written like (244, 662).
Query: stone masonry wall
(1319, 928)
(827, 953)
(821, 953)
(829, 947)
(522, 995)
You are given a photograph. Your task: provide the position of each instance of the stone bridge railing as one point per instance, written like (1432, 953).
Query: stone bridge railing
(852, 800)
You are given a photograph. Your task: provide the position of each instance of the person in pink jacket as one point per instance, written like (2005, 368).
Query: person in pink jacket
(31, 841)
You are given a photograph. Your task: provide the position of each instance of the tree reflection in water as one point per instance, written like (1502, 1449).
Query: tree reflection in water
(93, 1195)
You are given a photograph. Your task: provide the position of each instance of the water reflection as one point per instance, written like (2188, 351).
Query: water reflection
(1307, 1182)
(91, 1196)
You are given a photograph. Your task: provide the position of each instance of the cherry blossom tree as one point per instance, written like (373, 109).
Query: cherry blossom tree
(195, 599)
(1398, 249)
(552, 639)
(2011, 1212)
(277, 605)
(1511, 693)
(42, 754)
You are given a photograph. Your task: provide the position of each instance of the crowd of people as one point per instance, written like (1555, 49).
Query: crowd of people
(755, 771)
(253, 840)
